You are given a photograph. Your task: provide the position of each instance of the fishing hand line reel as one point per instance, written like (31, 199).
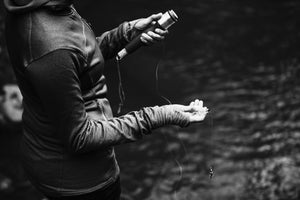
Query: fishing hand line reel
(167, 20)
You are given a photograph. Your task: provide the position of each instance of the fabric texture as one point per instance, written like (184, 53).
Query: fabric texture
(112, 192)
(22, 6)
(17, 6)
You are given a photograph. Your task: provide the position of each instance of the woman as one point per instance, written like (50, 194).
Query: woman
(69, 129)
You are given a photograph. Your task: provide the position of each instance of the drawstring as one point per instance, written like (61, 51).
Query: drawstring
(120, 89)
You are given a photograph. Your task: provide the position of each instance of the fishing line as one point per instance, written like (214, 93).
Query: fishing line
(121, 104)
(177, 162)
(211, 168)
(179, 165)
(157, 74)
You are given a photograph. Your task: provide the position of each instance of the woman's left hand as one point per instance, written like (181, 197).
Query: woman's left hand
(150, 37)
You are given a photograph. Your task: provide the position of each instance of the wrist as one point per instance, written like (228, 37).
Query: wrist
(174, 116)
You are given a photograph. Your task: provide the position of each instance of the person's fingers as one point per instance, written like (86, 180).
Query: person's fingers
(204, 110)
(146, 39)
(155, 17)
(197, 109)
(142, 23)
(200, 103)
(155, 36)
(161, 31)
(152, 18)
(197, 117)
(194, 107)
(190, 108)
(194, 112)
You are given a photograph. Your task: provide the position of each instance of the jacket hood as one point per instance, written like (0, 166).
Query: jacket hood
(19, 6)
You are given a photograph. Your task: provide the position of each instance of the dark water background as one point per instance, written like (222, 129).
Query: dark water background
(242, 59)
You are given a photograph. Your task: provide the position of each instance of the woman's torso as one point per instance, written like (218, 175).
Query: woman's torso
(49, 165)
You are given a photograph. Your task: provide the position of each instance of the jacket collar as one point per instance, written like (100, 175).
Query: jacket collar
(21, 6)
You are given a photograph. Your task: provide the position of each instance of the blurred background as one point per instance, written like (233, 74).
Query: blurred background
(242, 58)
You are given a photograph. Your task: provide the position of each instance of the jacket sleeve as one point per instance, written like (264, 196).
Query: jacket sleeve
(55, 80)
(111, 42)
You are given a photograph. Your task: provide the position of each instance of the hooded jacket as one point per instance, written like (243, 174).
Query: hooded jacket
(18, 6)
(22, 6)
(69, 128)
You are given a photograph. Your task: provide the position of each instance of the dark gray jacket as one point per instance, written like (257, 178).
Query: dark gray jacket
(69, 129)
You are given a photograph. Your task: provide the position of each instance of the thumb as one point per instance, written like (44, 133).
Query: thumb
(153, 17)
(188, 108)
(193, 108)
